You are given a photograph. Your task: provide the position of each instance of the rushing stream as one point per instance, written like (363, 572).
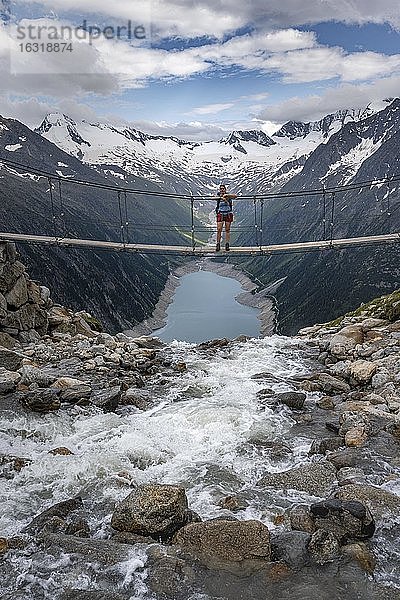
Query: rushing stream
(208, 432)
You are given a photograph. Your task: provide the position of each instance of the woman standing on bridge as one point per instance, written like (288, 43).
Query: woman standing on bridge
(224, 212)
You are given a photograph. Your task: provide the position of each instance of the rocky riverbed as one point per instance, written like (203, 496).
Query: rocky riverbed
(228, 470)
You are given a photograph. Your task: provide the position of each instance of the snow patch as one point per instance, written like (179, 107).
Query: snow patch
(13, 147)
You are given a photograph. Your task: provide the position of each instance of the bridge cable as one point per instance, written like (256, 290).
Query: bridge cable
(53, 214)
(126, 216)
(332, 224)
(122, 228)
(276, 195)
(62, 213)
(324, 217)
(255, 221)
(192, 216)
(261, 223)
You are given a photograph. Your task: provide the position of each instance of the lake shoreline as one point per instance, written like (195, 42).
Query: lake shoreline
(262, 300)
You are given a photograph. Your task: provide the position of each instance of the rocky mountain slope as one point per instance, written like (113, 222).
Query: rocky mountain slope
(320, 286)
(120, 289)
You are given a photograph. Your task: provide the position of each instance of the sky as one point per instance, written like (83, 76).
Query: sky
(196, 69)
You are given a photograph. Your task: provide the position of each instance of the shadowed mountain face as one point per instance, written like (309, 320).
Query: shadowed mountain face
(320, 286)
(119, 289)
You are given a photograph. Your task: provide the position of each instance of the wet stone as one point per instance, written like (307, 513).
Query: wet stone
(41, 400)
(324, 547)
(107, 400)
(157, 511)
(293, 400)
(346, 520)
(314, 478)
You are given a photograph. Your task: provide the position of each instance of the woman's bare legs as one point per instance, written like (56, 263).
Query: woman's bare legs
(227, 232)
(219, 232)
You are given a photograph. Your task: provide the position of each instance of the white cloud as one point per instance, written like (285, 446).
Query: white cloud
(191, 18)
(31, 111)
(314, 107)
(210, 109)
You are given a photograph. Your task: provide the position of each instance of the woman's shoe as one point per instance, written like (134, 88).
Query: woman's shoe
(218, 247)
(227, 247)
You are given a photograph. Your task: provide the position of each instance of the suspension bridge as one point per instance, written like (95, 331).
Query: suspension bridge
(60, 238)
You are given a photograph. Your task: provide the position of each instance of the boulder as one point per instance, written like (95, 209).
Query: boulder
(324, 382)
(382, 503)
(6, 341)
(107, 399)
(18, 295)
(27, 317)
(362, 555)
(347, 520)
(323, 547)
(325, 445)
(356, 437)
(10, 360)
(314, 478)
(363, 371)
(64, 383)
(9, 276)
(105, 552)
(344, 342)
(157, 511)
(290, 547)
(301, 519)
(293, 400)
(344, 458)
(59, 510)
(8, 380)
(58, 315)
(75, 394)
(42, 400)
(31, 374)
(226, 544)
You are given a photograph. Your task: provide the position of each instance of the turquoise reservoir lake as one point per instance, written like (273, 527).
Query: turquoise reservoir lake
(204, 308)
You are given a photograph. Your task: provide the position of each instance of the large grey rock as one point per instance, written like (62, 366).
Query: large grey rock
(292, 399)
(27, 317)
(42, 400)
(18, 295)
(344, 342)
(346, 520)
(152, 510)
(291, 547)
(60, 510)
(76, 393)
(324, 547)
(314, 478)
(226, 544)
(10, 274)
(31, 374)
(3, 306)
(382, 503)
(363, 371)
(107, 399)
(8, 380)
(10, 360)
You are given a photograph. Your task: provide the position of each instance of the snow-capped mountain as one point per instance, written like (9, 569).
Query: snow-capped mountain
(331, 123)
(249, 160)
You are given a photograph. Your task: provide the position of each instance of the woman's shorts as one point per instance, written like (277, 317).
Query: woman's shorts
(227, 217)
